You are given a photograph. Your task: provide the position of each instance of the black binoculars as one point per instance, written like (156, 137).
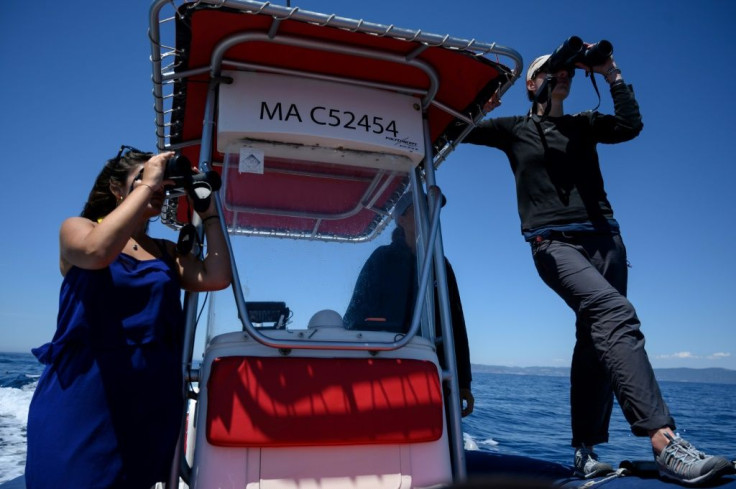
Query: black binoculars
(199, 186)
(573, 51)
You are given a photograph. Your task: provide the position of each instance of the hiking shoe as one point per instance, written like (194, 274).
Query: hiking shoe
(587, 464)
(680, 461)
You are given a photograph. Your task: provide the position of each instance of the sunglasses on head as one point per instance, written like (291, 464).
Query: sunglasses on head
(124, 151)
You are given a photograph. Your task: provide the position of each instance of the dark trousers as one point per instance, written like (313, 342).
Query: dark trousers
(590, 273)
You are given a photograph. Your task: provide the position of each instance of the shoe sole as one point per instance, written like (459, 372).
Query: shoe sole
(712, 474)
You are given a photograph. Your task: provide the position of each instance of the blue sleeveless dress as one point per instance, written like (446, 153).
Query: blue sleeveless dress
(107, 409)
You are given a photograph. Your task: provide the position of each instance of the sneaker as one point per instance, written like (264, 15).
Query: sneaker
(680, 461)
(587, 464)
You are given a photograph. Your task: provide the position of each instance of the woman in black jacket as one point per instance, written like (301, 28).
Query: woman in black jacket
(578, 252)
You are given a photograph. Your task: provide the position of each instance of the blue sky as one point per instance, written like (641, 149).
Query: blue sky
(76, 85)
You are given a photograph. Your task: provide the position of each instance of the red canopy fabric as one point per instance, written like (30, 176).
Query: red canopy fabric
(466, 80)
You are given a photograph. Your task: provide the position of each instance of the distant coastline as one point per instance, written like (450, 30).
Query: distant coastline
(702, 375)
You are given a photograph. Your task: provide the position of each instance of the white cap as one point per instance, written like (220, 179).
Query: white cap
(536, 64)
(406, 201)
(403, 204)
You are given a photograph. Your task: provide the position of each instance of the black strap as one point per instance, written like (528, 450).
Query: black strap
(543, 94)
(165, 255)
(161, 243)
(187, 237)
(595, 87)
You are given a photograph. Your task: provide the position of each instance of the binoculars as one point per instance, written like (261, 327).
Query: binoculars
(199, 186)
(573, 51)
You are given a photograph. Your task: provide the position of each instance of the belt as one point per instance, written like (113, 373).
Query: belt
(569, 235)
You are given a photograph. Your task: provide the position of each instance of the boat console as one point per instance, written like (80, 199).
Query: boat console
(318, 125)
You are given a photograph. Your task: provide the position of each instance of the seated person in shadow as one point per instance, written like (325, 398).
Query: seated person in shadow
(385, 292)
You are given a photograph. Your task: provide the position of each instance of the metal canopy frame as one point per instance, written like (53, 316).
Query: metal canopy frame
(164, 74)
(172, 81)
(420, 43)
(294, 29)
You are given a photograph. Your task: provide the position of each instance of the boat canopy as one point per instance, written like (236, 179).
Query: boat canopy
(319, 119)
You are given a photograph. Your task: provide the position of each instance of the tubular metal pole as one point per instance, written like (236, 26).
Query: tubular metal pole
(448, 341)
(191, 299)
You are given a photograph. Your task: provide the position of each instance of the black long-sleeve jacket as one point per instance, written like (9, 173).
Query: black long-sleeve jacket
(555, 162)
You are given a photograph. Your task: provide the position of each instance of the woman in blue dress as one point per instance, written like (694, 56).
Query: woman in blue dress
(107, 409)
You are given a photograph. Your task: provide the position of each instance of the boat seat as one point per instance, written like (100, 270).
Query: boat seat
(272, 401)
(317, 420)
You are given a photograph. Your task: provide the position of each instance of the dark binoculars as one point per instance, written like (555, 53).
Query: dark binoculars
(573, 51)
(199, 186)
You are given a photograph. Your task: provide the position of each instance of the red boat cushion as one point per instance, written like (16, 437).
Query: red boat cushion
(276, 401)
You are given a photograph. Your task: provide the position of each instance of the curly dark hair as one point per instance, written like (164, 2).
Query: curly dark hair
(101, 200)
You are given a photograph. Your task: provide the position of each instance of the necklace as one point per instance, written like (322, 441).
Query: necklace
(136, 242)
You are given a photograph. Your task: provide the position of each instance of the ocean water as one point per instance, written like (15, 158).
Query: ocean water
(19, 374)
(529, 415)
(514, 414)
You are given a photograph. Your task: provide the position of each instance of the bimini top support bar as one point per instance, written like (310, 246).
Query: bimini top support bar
(218, 55)
(285, 13)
